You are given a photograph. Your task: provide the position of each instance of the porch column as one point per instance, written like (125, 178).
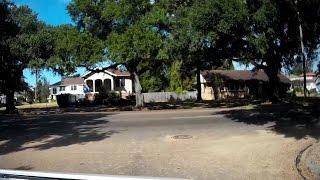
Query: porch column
(94, 85)
(112, 84)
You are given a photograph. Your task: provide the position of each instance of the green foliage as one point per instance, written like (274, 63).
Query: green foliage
(104, 94)
(43, 91)
(151, 82)
(298, 90)
(21, 99)
(73, 49)
(101, 95)
(175, 82)
(298, 68)
(216, 81)
(18, 46)
(113, 94)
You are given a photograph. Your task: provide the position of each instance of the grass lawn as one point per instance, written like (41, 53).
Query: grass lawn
(36, 106)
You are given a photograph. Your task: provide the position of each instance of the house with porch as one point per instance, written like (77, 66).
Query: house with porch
(92, 83)
(110, 80)
(239, 83)
(312, 81)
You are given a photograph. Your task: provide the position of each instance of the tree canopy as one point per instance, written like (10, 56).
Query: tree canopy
(22, 41)
(163, 43)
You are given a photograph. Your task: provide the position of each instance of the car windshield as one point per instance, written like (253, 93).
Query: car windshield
(159, 89)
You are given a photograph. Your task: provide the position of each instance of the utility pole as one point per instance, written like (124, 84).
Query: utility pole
(35, 87)
(302, 53)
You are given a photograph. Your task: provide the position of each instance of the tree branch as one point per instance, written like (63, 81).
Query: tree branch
(258, 66)
(97, 70)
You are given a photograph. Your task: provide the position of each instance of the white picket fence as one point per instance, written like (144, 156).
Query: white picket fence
(169, 96)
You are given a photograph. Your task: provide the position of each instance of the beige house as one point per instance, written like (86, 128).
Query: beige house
(239, 83)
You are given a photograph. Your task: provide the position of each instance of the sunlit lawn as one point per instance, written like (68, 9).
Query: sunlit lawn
(36, 106)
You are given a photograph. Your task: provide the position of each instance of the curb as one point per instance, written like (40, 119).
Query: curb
(301, 162)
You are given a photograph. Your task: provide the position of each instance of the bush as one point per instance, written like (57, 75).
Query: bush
(104, 94)
(21, 99)
(113, 94)
(298, 90)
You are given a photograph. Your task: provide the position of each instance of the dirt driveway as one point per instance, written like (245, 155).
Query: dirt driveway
(215, 144)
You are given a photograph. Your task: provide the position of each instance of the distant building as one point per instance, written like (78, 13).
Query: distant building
(297, 81)
(318, 83)
(73, 86)
(239, 83)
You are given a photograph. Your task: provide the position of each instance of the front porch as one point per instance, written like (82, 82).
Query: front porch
(107, 85)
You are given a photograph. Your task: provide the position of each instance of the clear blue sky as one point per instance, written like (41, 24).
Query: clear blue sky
(52, 12)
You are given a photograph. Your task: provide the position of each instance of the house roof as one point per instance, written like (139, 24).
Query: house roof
(309, 74)
(292, 77)
(311, 77)
(112, 72)
(244, 75)
(69, 81)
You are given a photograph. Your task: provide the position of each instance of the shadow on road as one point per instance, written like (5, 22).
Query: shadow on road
(296, 121)
(47, 131)
(24, 168)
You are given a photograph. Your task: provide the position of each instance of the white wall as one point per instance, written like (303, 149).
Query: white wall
(311, 85)
(103, 76)
(66, 91)
(128, 85)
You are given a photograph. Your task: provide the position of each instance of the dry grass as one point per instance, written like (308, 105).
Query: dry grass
(36, 106)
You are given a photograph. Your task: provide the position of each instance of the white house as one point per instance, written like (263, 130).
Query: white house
(67, 86)
(311, 80)
(318, 83)
(110, 80)
(297, 81)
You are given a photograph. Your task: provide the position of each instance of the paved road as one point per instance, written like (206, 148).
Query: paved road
(142, 144)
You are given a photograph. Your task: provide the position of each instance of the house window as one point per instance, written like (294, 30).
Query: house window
(73, 88)
(62, 88)
(54, 90)
(120, 82)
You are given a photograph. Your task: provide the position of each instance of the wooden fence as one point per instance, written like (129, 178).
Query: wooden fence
(169, 96)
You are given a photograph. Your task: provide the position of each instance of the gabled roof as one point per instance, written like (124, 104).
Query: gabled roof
(112, 72)
(69, 81)
(292, 77)
(242, 75)
(309, 74)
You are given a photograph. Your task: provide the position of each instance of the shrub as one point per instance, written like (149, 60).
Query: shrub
(298, 90)
(21, 99)
(113, 94)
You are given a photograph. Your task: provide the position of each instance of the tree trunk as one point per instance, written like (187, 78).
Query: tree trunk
(10, 107)
(273, 91)
(217, 93)
(138, 89)
(199, 98)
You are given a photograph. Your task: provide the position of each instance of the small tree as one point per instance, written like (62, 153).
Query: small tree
(216, 82)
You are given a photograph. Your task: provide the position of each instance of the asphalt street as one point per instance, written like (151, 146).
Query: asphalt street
(195, 144)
